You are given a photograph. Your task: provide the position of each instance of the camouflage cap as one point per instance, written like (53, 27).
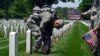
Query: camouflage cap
(46, 8)
(36, 8)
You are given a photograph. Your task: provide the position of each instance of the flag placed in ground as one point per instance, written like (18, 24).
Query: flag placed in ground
(91, 38)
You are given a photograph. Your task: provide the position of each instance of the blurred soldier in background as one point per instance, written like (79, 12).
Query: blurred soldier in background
(41, 24)
(94, 11)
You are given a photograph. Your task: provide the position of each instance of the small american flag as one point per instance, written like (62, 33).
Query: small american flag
(91, 38)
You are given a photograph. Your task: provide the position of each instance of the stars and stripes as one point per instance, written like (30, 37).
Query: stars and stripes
(73, 14)
(91, 38)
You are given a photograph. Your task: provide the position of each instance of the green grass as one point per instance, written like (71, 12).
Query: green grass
(71, 44)
(4, 41)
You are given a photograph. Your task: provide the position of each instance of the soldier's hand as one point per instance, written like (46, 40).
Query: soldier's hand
(82, 15)
(97, 28)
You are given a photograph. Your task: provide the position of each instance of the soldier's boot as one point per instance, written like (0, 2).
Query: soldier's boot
(35, 50)
(98, 52)
(37, 43)
(46, 50)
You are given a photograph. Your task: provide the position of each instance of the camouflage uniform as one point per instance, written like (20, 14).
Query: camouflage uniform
(93, 12)
(40, 23)
(95, 20)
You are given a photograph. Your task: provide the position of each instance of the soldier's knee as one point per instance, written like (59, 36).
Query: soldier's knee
(36, 34)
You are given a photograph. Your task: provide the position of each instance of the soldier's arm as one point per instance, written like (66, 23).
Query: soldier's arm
(30, 18)
(30, 21)
(92, 9)
(46, 17)
(94, 17)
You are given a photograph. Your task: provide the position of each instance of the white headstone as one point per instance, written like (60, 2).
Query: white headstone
(13, 44)
(12, 28)
(28, 42)
(21, 28)
(24, 28)
(55, 32)
(5, 32)
(17, 27)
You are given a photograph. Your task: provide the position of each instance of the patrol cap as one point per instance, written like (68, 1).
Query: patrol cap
(36, 8)
(46, 8)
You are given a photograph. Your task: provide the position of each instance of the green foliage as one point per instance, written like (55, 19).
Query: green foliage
(21, 8)
(85, 5)
(2, 13)
(62, 12)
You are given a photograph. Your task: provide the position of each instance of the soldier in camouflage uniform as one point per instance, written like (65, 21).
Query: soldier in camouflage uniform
(41, 24)
(94, 11)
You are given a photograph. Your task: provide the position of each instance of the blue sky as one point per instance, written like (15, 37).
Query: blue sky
(68, 4)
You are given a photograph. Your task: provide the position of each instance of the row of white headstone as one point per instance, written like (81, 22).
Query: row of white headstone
(59, 32)
(8, 26)
(19, 29)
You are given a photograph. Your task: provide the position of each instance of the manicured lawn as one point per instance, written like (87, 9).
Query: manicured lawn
(72, 43)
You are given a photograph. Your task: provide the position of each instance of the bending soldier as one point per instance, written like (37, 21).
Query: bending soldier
(41, 24)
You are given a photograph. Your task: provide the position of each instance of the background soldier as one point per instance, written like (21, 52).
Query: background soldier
(41, 24)
(94, 11)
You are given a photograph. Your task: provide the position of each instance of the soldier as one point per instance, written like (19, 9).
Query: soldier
(41, 24)
(94, 11)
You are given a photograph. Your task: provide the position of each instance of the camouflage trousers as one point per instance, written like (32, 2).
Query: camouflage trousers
(40, 35)
(97, 52)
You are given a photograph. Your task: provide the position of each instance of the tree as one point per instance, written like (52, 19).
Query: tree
(19, 9)
(4, 5)
(62, 12)
(85, 5)
(49, 2)
(22, 8)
